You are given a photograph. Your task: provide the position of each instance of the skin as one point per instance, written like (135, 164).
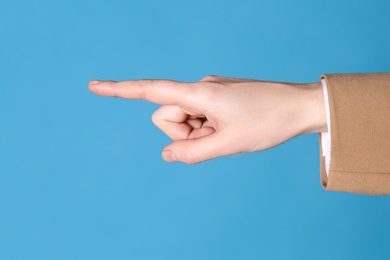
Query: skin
(220, 116)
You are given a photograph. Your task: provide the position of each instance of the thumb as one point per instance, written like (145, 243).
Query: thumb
(196, 150)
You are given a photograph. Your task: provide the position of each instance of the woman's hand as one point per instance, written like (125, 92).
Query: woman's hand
(220, 116)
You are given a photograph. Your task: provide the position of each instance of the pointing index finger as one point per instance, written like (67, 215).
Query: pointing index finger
(166, 92)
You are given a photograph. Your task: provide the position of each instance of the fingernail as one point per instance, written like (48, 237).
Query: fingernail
(93, 82)
(169, 156)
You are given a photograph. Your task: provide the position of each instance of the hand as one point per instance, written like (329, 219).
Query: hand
(220, 116)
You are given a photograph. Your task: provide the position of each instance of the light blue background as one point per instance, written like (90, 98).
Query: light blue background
(81, 176)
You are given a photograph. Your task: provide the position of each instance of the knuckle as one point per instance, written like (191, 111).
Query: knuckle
(148, 81)
(208, 90)
(114, 86)
(210, 78)
(146, 84)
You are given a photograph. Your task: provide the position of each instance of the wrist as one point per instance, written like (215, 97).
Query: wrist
(313, 109)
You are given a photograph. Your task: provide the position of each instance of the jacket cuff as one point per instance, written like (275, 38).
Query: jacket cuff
(360, 125)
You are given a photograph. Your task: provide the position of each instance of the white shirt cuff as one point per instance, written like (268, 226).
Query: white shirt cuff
(325, 137)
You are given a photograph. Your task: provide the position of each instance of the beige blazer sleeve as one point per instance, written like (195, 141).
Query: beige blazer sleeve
(360, 134)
